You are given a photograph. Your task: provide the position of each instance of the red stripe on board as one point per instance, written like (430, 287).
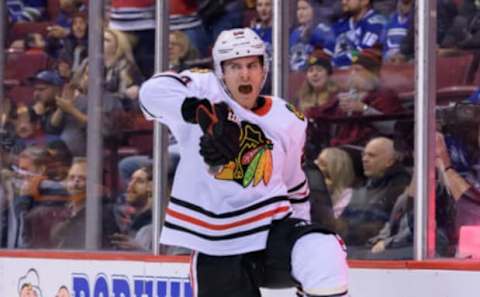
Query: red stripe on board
(82, 255)
(246, 221)
(434, 264)
(444, 264)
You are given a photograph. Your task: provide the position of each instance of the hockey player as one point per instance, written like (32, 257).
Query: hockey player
(240, 197)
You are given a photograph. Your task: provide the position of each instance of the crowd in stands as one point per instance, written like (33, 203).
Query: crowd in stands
(342, 54)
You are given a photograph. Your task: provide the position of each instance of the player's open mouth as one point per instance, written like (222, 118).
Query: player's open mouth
(245, 89)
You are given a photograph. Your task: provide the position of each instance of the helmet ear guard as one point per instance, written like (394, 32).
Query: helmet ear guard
(238, 43)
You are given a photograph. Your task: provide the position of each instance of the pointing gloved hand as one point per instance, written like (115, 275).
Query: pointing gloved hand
(221, 140)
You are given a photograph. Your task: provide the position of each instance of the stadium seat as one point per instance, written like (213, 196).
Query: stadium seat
(53, 9)
(469, 242)
(22, 65)
(453, 70)
(20, 30)
(399, 77)
(21, 94)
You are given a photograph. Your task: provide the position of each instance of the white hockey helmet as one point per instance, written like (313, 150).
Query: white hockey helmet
(238, 43)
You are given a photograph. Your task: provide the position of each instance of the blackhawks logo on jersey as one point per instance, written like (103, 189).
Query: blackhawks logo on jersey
(254, 162)
(295, 111)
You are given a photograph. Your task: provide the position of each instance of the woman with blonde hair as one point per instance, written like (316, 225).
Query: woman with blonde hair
(122, 76)
(337, 168)
(180, 51)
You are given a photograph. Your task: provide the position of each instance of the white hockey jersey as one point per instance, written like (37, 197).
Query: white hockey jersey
(229, 212)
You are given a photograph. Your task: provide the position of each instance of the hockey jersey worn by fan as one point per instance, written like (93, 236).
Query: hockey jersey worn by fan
(229, 211)
(351, 37)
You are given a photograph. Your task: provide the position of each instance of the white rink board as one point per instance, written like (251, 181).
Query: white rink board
(119, 278)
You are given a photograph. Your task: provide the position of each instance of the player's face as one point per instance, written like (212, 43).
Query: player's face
(264, 10)
(304, 12)
(243, 78)
(317, 77)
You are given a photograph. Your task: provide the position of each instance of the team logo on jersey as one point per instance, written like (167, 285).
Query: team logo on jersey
(254, 162)
(295, 111)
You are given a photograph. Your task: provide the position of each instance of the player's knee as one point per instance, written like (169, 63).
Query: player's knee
(319, 263)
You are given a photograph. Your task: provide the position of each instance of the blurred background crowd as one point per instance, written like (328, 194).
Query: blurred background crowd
(351, 72)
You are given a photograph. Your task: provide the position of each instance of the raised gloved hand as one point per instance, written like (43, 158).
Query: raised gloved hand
(220, 142)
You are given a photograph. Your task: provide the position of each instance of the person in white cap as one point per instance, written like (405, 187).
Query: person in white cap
(240, 197)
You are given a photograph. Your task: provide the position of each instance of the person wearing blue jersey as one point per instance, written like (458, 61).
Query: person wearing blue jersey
(308, 35)
(262, 25)
(396, 31)
(240, 198)
(25, 10)
(360, 28)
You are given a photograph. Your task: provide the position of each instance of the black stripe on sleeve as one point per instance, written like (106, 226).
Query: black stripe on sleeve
(297, 187)
(298, 201)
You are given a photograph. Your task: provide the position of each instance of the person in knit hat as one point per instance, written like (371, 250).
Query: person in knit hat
(317, 88)
(317, 97)
(365, 97)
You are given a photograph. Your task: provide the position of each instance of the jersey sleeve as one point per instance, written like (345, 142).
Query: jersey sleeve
(295, 178)
(373, 29)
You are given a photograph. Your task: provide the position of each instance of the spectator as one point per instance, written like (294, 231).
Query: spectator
(464, 189)
(262, 24)
(70, 234)
(384, 7)
(359, 29)
(465, 30)
(32, 187)
(446, 12)
(135, 212)
(137, 20)
(395, 239)
(70, 114)
(63, 22)
(396, 31)
(366, 97)
(308, 35)
(181, 54)
(47, 86)
(184, 16)
(25, 10)
(61, 160)
(337, 169)
(75, 44)
(122, 77)
(64, 66)
(371, 205)
(34, 42)
(27, 129)
(220, 15)
(317, 97)
(318, 91)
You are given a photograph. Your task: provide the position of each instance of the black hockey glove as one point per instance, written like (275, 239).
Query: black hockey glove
(220, 142)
